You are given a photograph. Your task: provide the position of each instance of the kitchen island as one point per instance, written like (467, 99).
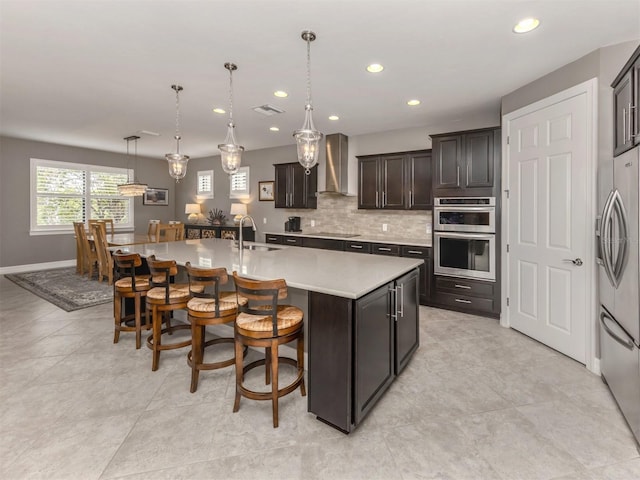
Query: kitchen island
(362, 314)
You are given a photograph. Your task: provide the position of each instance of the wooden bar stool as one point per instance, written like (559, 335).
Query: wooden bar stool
(208, 306)
(263, 323)
(129, 285)
(163, 298)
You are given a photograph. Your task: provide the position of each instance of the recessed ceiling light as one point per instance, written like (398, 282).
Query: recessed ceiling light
(219, 110)
(280, 93)
(413, 103)
(526, 25)
(274, 129)
(375, 68)
(334, 117)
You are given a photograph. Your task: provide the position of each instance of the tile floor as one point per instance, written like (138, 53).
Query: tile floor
(476, 402)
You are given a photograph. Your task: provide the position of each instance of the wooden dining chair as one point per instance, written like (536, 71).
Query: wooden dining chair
(105, 260)
(152, 229)
(209, 306)
(106, 222)
(169, 232)
(85, 251)
(262, 322)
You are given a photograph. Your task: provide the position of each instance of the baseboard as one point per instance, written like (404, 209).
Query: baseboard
(596, 367)
(37, 266)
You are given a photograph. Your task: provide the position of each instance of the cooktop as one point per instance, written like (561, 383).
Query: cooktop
(339, 235)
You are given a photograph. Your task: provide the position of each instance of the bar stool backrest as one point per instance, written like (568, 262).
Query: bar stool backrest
(205, 283)
(126, 264)
(161, 273)
(263, 296)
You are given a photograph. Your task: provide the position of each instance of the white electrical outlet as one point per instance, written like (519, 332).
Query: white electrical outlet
(385, 227)
(313, 223)
(264, 220)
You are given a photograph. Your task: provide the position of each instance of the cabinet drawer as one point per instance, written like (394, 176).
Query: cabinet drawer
(385, 249)
(459, 286)
(323, 243)
(294, 241)
(465, 303)
(360, 247)
(416, 252)
(273, 239)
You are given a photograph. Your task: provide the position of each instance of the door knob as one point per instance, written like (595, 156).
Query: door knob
(577, 261)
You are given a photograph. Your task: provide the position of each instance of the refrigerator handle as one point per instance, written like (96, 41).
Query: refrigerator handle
(605, 239)
(628, 344)
(623, 235)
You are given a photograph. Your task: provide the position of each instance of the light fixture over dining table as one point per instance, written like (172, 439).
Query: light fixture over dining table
(133, 188)
(177, 161)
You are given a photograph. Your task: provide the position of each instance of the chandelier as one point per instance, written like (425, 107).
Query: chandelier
(308, 138)
(177, 161)
(134, 188)
(230, 151)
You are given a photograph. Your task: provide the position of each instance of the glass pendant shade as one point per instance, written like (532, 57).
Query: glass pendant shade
(308, 141)
(230, 151)
(132, 188)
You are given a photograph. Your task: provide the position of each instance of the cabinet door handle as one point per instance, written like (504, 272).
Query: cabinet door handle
(384, 249)
(377, 196)
(415, 252)
(291, 240)
(401, 312)
(384, 199)
(624, 126)
(630, 123)
(394, 292)
(458, 176)
(460, 300)
(466, 287)
(410, 198)
(355, 246)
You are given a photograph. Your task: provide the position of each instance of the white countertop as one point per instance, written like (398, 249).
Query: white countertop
(343, 274)
(371, 238)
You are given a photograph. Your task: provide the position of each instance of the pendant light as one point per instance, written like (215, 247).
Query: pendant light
(308, 138)
(230, 151)
(134, 188)
(177, 161)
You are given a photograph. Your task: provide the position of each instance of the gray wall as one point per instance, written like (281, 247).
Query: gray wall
(17, 247)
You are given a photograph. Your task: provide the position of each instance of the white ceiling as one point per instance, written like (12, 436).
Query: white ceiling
(88, 72)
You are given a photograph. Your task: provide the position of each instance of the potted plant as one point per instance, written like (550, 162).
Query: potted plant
(216, 217)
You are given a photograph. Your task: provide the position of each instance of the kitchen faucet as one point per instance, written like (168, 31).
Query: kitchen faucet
(253, 223)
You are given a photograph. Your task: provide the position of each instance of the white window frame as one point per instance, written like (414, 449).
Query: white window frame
(204, 177)
(35, 229)
(237, 192)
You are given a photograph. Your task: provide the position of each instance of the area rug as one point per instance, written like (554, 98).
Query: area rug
(63, 288)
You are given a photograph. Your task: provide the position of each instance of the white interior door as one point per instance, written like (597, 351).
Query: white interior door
(549, 208)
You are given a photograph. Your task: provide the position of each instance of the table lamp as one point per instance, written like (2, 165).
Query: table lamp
(193, 210)
(239, 210)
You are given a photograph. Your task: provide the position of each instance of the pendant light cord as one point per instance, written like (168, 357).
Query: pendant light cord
(308, 71)
(177, 137)
(231, 96)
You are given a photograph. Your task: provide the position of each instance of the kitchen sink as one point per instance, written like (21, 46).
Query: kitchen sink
(259, 248)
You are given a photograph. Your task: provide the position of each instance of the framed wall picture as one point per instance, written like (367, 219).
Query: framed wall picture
(156, 196)
(266, 191)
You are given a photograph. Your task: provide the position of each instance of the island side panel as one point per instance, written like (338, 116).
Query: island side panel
(330, 359)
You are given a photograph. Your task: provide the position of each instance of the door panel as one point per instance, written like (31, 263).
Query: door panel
(368, 188)
(479, 165)
(393, 177)
(548, 208)
(446, 157)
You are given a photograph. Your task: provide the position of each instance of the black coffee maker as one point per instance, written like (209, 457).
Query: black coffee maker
(292, 225)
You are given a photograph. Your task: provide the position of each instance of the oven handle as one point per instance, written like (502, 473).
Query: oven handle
(476, 236)
(466, 208)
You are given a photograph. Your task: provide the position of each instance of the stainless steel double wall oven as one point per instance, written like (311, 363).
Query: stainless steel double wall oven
(465, 237)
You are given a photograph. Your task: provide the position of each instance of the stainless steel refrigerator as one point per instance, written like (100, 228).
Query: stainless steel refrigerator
(619, 290)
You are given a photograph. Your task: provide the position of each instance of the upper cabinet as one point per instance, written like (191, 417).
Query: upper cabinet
(466, 163)
(626, 101)
(293, 188)
(395, 181)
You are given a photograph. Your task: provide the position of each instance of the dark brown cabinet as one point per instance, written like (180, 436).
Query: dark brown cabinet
(395, 181)
(626, 101)
(406, 319)
(293, 188)
(426, 270)
(469, 296)
(323, 243)
(466, 163)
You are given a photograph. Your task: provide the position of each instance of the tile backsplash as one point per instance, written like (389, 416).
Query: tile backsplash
(340, 214)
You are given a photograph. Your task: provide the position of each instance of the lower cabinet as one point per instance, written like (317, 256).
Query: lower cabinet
(358, 347)
(228, 232)
(465, 295)
(323, 243)
(426, 270)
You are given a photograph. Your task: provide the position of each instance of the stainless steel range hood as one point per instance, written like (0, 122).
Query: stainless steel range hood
(337, 164)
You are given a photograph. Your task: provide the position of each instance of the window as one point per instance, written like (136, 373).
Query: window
(239, 186)
(205, 184)
(63, 193)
